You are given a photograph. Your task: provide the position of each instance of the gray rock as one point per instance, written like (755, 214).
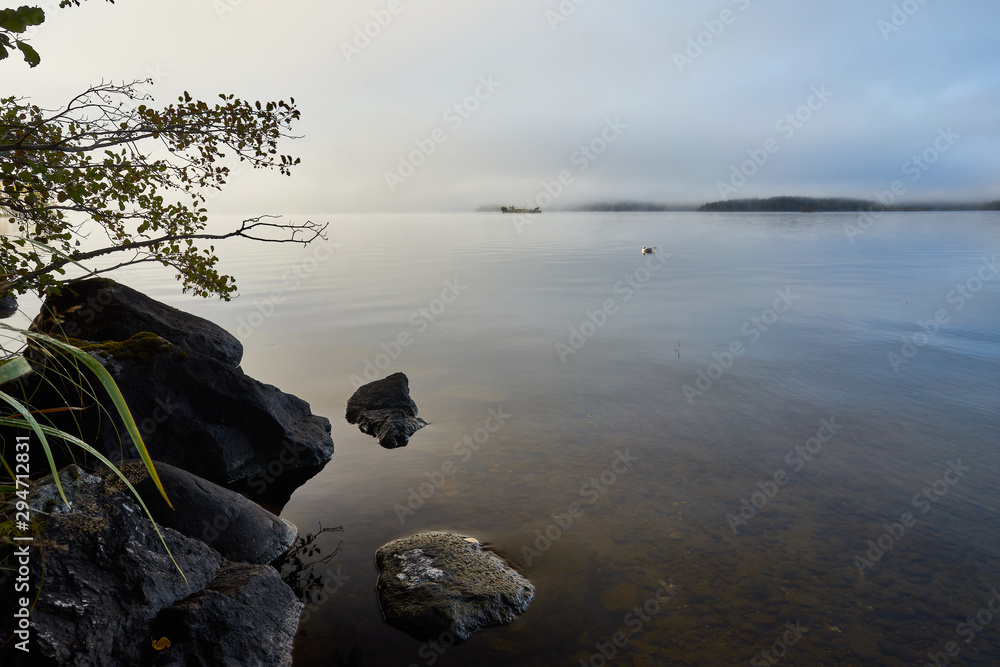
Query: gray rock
(246, 617)
(99, 309)
(111, 576)
(108, 589)
(237, 528)
(435, 583)
(384, 409)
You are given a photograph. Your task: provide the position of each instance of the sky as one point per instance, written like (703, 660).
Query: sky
(446, 106)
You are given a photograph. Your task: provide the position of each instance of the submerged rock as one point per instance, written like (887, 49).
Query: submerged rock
(385, 410)
(435, 582)
(237, 528)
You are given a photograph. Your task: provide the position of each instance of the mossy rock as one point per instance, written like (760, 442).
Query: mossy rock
(140, 347)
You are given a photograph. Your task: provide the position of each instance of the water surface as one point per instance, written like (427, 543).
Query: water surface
(738, 516)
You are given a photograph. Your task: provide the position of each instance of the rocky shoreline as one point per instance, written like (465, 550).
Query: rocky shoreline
(111, 594)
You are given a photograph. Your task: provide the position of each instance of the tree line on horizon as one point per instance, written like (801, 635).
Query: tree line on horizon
(784, 204)
(790, 204)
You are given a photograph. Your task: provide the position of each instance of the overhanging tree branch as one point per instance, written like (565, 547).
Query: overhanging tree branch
(312, 231)
(95, 157)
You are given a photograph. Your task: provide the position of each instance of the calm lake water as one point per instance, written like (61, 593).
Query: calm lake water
(778, 440)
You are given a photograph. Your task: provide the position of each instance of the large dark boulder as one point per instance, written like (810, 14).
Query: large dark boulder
(195, 407)
(106, 585)
(223, 624)
(384, 409)
(209, 418)
(100, 309)
(232, 525)
(435, 583)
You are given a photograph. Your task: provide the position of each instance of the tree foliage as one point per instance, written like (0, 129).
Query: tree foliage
(13, 24)
(140, 171)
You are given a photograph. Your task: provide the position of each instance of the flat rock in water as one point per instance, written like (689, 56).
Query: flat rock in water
(384, 409)
(433, 583)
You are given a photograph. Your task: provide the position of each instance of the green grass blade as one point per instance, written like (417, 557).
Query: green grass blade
(116, 397)
(56, 433)
(30, 423)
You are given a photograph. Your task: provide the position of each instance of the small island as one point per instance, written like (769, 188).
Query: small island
(514, 209)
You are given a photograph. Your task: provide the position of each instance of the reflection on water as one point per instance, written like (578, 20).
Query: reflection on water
(300, 567)
(811, 504)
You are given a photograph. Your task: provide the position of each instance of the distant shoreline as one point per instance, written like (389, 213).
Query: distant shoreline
(785, 204)
(834, 205)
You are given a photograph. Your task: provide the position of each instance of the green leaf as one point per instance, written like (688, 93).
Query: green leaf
(30, 55)
(18, 20)
(12, 20)
(14, 369)
(32, 15)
